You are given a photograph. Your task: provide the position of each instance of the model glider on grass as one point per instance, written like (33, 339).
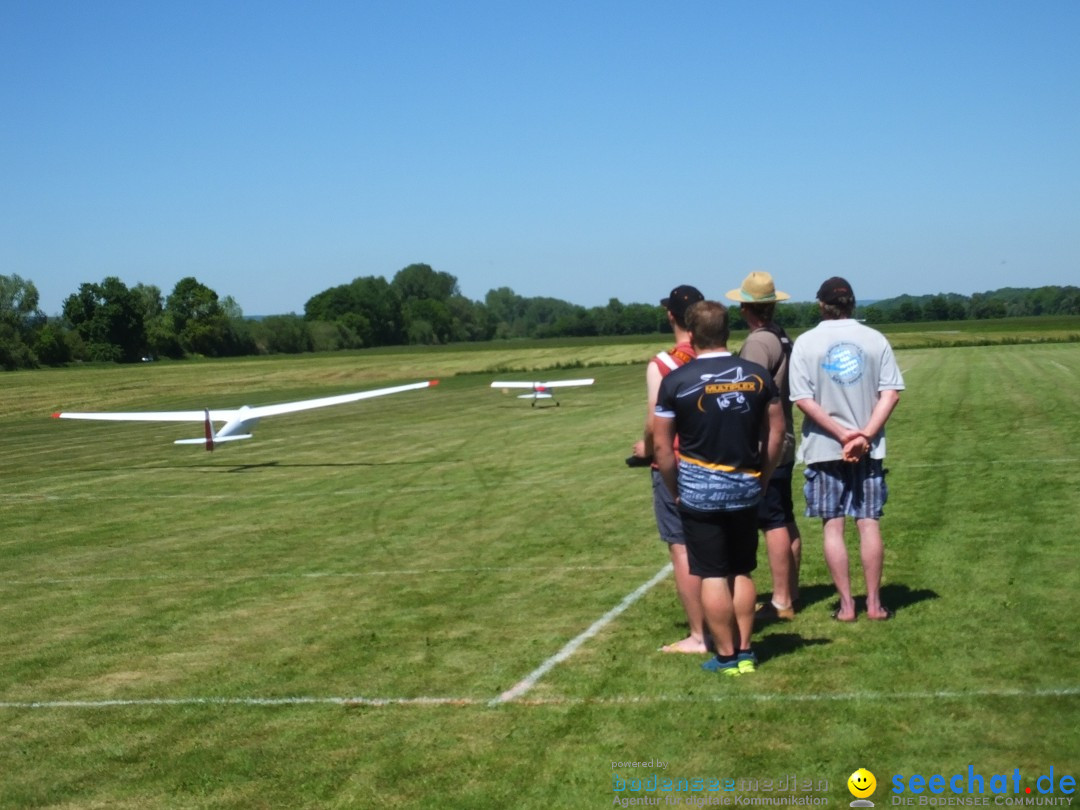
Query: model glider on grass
(239, 422)
(540, 390)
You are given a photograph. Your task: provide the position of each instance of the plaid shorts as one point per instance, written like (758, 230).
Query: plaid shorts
(839, 488)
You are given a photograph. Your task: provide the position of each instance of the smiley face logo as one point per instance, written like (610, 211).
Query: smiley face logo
(861, 783)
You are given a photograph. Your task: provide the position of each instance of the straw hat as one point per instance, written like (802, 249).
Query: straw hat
(757, 288)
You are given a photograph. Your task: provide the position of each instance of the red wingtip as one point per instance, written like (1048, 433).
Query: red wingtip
(56, 416)
(433, 382)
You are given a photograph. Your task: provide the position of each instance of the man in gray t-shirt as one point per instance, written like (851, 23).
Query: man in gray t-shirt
(845, 380)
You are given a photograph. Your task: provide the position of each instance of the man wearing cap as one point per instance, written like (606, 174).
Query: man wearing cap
(845, 380)
(768, 345)
(687, 586)
(727, 415)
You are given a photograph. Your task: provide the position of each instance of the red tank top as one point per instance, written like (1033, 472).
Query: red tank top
(667, 362)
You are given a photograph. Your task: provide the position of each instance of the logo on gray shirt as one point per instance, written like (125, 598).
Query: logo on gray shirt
(844, 363)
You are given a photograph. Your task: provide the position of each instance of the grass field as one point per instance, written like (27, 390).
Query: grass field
(446, 598)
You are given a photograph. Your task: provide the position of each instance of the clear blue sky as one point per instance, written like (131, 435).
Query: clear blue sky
(581, 150)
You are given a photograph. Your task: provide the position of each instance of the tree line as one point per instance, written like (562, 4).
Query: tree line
(111, 322)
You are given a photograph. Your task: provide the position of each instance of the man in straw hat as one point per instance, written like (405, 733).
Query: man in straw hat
(768, 345)
(845, 380)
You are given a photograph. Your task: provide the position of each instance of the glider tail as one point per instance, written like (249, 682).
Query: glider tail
(209, 430)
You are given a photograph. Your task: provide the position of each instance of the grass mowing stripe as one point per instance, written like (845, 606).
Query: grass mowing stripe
(527, 683)
(316, 574)
(616, 700)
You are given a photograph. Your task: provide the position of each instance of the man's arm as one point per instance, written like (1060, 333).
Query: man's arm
(812, 410)
(663, 435)
(773, 429)
(883, 408)
(643, 448)
(855, 441)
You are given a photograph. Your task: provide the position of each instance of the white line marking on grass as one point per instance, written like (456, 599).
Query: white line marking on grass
(527, 683)
(248, 701)
(615, 700)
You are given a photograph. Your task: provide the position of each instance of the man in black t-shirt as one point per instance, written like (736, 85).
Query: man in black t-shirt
(729, 420)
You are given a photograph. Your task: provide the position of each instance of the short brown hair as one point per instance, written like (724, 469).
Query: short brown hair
(837, 312)
(763, 311)
(708, 325)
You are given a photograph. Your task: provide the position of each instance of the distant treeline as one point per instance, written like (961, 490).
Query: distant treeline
(111, 322)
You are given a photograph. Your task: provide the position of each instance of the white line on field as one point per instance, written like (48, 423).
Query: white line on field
(614, 700)
(527, 683)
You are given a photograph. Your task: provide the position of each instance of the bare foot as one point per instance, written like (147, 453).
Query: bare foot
(689, 645)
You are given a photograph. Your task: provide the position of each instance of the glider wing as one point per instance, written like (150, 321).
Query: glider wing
(539, 386)
(238, 421)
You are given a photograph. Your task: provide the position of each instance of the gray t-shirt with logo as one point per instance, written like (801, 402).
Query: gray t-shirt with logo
(842, 365)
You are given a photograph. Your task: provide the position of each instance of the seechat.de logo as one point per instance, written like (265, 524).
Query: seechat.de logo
(995, 788)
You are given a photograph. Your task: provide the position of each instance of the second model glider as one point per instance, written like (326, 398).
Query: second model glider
(540, 390)
(239, 422)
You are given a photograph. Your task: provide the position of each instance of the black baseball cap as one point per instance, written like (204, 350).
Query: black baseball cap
(835, 291)
(680, 300)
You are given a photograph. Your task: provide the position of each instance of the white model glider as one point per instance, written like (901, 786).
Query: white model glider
(540, 390)
(239, 422)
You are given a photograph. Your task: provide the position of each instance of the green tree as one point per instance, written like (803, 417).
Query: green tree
(161, 337)
(418, 282)
(735, 317)
(957, 310)
(643, 319)
(469, 320)
(284, 334)
(51, 345)
(936, 309)
(369, 308)
(872, 314)
(908, 312)
(109, 321)
(427, 321)
(20, 320)
(985, 305)
(506, 309)
(200, 322)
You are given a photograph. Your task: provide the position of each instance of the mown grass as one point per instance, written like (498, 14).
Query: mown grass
(444, 543)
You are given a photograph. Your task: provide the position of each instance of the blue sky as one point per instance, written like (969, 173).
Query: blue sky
(581, 150)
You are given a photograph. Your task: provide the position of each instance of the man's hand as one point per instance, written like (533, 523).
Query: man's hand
(856, 447)
(637, 457)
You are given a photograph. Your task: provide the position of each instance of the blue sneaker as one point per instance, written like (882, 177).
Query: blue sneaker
(746, 662)
(728, 668)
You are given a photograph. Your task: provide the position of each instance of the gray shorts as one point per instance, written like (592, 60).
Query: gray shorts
(668, 520)
(841, 489)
